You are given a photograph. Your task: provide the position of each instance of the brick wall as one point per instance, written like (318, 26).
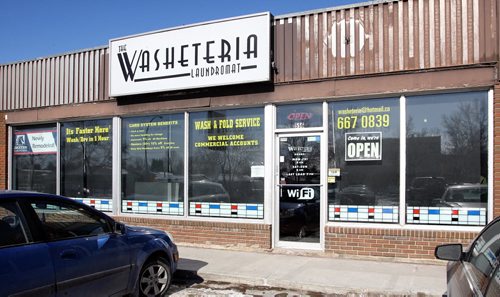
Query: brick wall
(345, 241)
(390, 243)
(214, 234)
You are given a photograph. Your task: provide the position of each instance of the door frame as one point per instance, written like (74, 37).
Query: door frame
(277, 243)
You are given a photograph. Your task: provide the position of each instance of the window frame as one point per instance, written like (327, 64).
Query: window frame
(269, 131)
(118, 165)
(402, 202)
(266, 140)
(110, 199)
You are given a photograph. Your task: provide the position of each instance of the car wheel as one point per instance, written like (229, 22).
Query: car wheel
(155, 278)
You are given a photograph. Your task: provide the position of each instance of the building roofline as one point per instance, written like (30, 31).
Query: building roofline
(340, 7)
(72, 52)
(283, 16)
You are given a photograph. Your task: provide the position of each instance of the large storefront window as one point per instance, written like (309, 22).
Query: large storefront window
(153, 164)
(86, 162)
(447, 159)
(363, 173)
(34, 165)
(226, 163)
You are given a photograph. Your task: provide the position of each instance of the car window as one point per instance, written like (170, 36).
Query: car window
(60, 221)
(12, 230)
(484, 255)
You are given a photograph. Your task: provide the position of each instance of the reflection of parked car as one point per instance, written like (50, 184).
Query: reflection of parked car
(423, 190)
(467, 195)
(55, 246)
(206, 191)
(299, 214)
(475, 272)
(357, 195)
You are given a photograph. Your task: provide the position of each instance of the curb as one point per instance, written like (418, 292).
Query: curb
(318, 288)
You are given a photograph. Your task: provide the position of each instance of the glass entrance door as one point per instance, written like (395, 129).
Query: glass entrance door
(299, 188)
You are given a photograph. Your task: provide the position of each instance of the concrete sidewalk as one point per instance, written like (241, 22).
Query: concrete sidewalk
(318, 274)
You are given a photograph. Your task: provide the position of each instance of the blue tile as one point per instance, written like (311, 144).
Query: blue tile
(143, 204)
(474, 212)
(434, 211)
(174, 205)
(252, 207)
(105, 202)
(214, 206)
(352, 209)
(387, 210)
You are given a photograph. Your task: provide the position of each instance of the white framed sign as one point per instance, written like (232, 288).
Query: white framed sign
(363, 146)
(36, 142)
(223, 52)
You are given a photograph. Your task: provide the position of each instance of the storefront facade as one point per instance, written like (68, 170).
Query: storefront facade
(366, 130)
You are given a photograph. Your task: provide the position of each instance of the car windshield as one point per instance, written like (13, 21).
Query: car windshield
(467, 194)
(202, 189)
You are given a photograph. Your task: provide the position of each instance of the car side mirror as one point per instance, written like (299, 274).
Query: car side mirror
(449, 252)
(119, 228)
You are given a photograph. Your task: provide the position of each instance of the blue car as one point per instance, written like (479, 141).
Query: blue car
(55, 246)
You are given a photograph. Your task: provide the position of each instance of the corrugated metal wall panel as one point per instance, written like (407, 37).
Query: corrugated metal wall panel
(66, 79)
(388, 36)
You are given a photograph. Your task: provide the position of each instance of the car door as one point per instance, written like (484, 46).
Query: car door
(494, 286)
(87, 255)
(471, 276)
(26, 267)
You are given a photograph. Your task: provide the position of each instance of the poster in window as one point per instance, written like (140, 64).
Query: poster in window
(34, 142)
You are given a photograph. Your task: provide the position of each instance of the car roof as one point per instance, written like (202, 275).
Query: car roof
(467, 186)
(16, 194)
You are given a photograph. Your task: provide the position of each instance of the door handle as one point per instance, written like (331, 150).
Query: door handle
(69, 254)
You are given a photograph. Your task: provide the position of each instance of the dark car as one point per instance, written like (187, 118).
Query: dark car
(476, 271)
(424, 190)
(357, 195)
(55, 246)
(207, 191)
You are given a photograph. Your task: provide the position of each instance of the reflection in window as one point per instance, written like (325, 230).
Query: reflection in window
(484, 255)
(226, 163)
(34, 151)
(12, 229)
(363, 174)
(153, 164)
(446, 175)
(64, 221)
(86, 162)
(300, 115)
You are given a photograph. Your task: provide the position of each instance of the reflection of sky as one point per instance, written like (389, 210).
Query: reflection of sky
(425, 114)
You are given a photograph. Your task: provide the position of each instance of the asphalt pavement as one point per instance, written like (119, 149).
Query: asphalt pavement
(328, 275)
